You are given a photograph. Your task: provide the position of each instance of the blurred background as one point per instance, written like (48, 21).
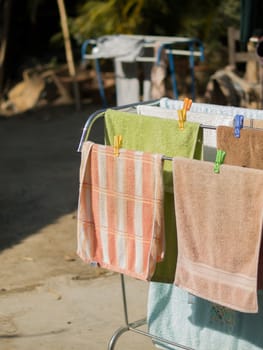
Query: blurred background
(31, 38)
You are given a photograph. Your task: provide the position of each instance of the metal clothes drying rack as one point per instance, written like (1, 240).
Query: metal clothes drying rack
(128, 326)
(171, 45)
(135, 326)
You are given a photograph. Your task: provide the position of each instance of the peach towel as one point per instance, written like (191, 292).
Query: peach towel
(246, 151)
(219, 226)
(120, 211)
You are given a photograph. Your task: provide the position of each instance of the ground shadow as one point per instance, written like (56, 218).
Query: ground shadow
(39, 168)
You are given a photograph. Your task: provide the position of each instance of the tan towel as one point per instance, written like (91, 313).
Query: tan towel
(248, 152)
(120, 212)
(219, 225)
(253, 123)
(245, 151)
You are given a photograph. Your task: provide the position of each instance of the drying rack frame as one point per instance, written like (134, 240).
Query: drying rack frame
(128, 326)
(97, 114)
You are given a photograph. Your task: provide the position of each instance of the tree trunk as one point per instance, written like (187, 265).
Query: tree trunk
(69, 56)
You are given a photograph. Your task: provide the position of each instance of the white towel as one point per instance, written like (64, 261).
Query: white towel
(249, 113)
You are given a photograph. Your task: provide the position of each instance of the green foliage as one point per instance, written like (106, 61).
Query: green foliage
(206, 20)
(102, 17)
(215, 39)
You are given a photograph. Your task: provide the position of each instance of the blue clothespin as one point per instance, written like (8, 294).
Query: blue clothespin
(220, 157)
(238, 124)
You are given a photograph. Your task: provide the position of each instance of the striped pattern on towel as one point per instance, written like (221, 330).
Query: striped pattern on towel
(120, 212)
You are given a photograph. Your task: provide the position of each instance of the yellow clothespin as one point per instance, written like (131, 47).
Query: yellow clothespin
(180, 118)
(186, 106)
(117, 144)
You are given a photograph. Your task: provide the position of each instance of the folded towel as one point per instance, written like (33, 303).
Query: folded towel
(219, 224)
(120, 46)
(245, 151)
(120, 211)
(159, 136)
(200, 324)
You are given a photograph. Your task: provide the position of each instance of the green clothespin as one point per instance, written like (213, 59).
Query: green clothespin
(220, 157)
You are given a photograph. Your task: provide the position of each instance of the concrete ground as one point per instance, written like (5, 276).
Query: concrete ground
(71, 314)
(50, 299)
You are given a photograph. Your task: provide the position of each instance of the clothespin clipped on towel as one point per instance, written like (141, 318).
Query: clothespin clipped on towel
(186, 106)
(117, 141)
(220, 157)
(182, 112)
(181, 119)
(238, 124)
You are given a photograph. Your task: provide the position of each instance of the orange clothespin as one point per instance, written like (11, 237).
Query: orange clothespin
(186, 106)
(180, 113)
(117, 141)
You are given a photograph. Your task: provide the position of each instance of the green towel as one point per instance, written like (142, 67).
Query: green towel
(158, 135)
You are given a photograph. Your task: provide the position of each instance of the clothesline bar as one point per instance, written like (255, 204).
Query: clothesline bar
(153, 59)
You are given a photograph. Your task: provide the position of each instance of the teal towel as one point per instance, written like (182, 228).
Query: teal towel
(200, 324)
(158, 135)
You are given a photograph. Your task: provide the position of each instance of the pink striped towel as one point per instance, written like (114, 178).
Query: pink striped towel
(120, 211)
